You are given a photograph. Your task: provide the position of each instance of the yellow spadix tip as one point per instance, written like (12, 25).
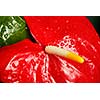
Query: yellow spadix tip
(74, 57)
(64, 53)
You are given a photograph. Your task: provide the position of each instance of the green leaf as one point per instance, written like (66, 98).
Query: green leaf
(12, 30)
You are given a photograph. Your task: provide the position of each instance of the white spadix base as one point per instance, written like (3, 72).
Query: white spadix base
(64, 53)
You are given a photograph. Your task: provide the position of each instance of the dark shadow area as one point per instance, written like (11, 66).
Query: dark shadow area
(96, 22)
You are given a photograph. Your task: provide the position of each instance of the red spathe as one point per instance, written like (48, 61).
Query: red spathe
(27, 62)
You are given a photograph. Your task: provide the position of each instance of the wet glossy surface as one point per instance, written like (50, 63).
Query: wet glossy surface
(27, 61)
(71, 33)
(86, 72)
(12, 30)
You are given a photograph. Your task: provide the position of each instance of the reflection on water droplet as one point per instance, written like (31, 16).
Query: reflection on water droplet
(5, 36)
(9, 26)
(47, 28)
(67, 21)
(58, 28)
(62, 44)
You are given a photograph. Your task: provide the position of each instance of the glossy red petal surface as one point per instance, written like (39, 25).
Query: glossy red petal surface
(27, 62)
(89, 71)
(71, 33)
(47, 29)
(24, 62)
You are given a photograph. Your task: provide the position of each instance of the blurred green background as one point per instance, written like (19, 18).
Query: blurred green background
(96, 22)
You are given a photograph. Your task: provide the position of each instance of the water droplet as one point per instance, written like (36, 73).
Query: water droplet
(47, 28)
(58, 28)
(62, 44)
(67, 21)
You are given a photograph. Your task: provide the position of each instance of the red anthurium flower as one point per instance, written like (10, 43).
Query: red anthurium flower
(58, 38)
